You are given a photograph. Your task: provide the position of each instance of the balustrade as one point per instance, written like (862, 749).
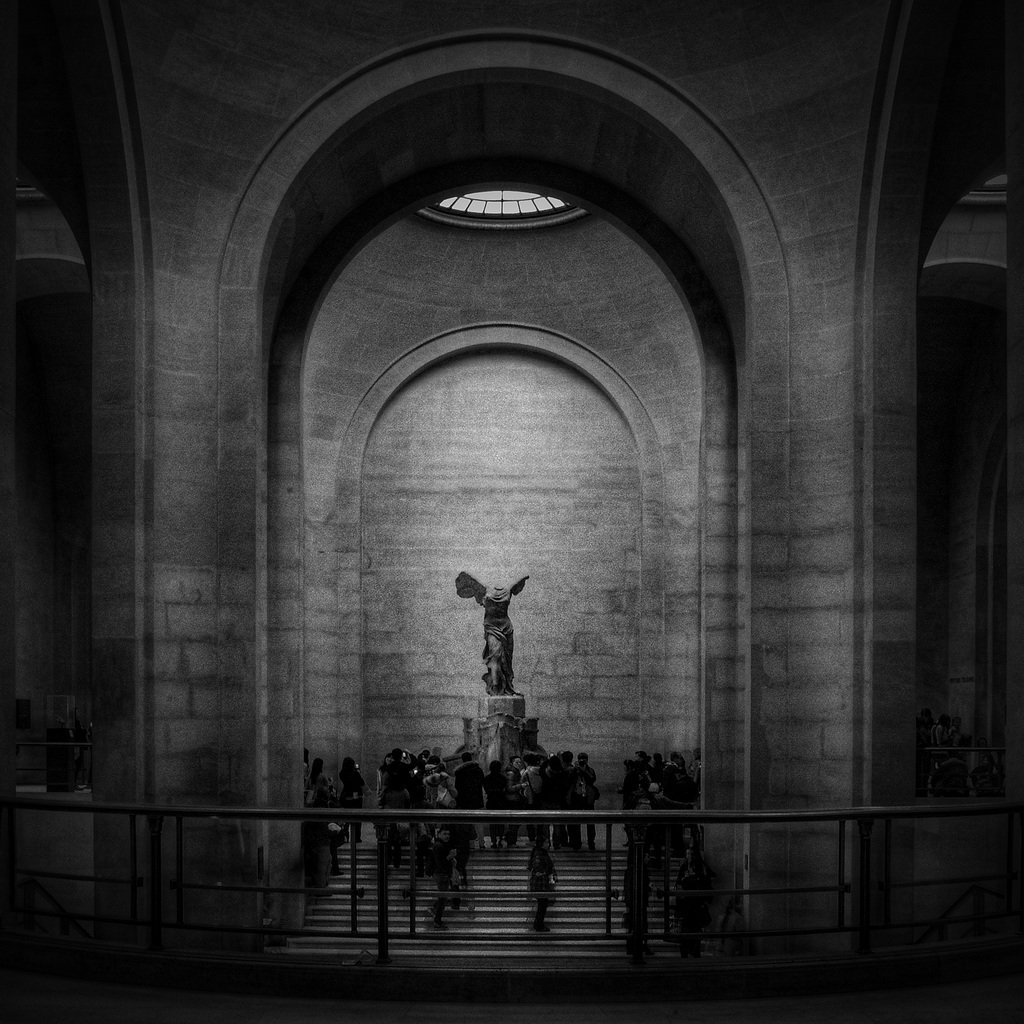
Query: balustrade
(877, 876)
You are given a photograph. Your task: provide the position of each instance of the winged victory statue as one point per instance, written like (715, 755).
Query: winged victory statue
(498, 644)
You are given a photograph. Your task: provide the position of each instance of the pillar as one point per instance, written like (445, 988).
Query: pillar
(1014, 400)
(8, 179)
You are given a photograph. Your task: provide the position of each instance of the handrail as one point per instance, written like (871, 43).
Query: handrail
(966, 750)
(946, 917)
(655, 816)
(853, 880)
(51, 743)
(67, 919)
(57, 763)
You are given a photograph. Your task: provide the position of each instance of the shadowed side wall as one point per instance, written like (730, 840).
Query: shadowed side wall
(961, 411)
(8, 373)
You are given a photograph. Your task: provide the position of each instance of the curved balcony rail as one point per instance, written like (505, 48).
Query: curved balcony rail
(960, 771)
(816, 881)
(53, 766)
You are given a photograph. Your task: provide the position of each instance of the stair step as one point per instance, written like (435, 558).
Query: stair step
(494, 920)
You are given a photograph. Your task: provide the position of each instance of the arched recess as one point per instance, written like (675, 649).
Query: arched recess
(53, 443)
(603, 628)
(617, 137)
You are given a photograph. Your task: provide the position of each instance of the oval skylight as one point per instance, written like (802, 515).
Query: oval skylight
(503, 202)
(499, 208)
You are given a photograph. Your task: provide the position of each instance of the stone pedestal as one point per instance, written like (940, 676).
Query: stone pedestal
(504, 733)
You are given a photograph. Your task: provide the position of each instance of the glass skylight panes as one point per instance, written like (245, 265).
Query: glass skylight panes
(504, 203)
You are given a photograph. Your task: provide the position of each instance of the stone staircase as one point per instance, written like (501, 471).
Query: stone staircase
(494, 918)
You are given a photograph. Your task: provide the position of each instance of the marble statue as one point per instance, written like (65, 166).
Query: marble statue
(497, 630)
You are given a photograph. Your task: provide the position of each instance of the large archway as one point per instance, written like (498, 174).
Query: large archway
(654, 166)
(371, 340)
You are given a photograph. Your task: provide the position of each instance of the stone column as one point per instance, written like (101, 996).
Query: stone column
(1014, 401)
(8, 165)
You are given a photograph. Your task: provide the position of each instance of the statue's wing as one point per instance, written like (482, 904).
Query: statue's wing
(470, 586)
(517, 587)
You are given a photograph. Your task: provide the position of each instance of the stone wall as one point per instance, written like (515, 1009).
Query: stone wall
(602, 509)
(503, 465)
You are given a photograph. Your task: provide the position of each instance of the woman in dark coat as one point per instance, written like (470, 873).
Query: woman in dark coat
(543, 879)
(495, 784)
(351, 787)
(316, 834)
(691, 912)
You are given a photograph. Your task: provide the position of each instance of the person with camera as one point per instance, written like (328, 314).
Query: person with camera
(319, 834)
(515, 799)
(583, 794)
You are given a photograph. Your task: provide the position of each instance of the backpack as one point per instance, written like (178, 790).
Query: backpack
(535, 783)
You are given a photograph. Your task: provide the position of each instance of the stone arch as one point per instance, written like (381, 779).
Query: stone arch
(649, 159)
(449, 350)
(289, 207)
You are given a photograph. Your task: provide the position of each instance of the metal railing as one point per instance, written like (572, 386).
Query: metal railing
(59, 771)
(30, 889)
(933, 783)
(855, 885)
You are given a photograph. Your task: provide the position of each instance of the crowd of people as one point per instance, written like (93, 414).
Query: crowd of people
(942, 768)
(532, 781)
(944, 731)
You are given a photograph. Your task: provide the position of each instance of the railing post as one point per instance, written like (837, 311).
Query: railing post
(133, 858)
(412, 877)
(28, 902)
(179, 869)
(1020, 872)
(887, 872)
(841, 876)
(608, 879)
(381, 828)
(156, 910)
(864, 826)
(353, 869)
(978, 910)
(637, 894)
(12, 857)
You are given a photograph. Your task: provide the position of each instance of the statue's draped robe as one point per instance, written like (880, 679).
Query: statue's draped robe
(498, 642)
